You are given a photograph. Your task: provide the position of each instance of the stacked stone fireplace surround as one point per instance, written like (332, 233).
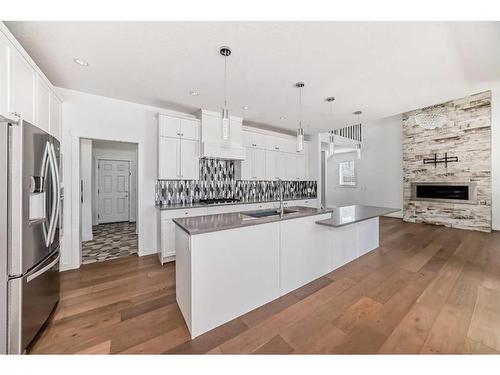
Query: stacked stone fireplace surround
(467, 135)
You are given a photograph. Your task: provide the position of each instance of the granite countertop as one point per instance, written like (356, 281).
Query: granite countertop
(354, 214)
(213, 223)
(198, 204)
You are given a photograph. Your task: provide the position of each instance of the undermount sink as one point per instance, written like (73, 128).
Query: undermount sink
(267, 213)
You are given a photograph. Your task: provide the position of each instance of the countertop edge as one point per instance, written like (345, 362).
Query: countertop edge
(325, 222)
(249, 223)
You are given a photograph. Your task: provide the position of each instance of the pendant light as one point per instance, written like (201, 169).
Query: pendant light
(358, 146)
(225, 119)
(300, 130)
(331, 138)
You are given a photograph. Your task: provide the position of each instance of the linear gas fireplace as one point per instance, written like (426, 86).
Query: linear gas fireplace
(452, 192)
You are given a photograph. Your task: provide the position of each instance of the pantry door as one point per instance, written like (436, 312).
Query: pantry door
(113, 191)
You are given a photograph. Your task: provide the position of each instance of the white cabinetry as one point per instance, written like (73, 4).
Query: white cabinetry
(4, 74)
(254, 140)
(254, 165)
(42, 113)
(178, 148)
(24, 91)
(21, 92)
(276, 165)
(55, 117)
(281, 158)
(167, 230)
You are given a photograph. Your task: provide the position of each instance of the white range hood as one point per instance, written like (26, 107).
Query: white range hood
(212, 144)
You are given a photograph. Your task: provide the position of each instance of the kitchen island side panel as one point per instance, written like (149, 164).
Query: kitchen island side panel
(234, 271)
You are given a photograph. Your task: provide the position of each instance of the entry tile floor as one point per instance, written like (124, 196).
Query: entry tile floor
(110, 241)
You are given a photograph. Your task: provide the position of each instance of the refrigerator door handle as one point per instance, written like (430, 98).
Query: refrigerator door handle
(55, 194)
(43, 270)
(43, 173)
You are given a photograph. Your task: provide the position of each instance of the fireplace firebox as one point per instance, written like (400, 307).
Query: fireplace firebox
(452, 192)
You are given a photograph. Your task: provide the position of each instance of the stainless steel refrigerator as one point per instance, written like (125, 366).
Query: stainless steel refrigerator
(30, 204)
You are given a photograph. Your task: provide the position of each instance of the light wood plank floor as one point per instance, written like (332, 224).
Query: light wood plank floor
(426, 289)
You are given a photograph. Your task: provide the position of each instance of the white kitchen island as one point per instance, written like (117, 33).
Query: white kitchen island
(229, 264)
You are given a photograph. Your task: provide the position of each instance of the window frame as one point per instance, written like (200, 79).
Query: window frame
(355, 174)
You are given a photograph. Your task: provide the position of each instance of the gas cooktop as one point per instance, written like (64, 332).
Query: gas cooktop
(219, 201)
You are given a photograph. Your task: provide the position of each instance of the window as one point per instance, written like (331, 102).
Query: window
(347, 173)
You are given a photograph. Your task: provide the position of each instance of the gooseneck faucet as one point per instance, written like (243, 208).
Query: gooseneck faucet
(281, 210)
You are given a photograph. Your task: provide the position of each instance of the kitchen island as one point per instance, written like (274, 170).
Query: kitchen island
(231, 263)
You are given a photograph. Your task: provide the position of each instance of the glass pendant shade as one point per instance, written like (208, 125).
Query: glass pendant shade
(300, 139)
(358, 151)
(225, 122)
(331, 144)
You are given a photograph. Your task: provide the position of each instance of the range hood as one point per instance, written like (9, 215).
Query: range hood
(212, 144)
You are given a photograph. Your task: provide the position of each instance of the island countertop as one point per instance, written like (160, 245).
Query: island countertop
(353, 214)
(213, 223)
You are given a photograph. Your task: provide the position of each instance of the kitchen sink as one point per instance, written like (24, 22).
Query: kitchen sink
(267, 213)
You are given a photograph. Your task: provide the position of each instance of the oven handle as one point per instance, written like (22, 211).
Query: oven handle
(44, 269)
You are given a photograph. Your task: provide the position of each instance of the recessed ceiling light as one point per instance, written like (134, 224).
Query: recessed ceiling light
(193, 93)
(282, 118)
(80, 62)
(245, 107)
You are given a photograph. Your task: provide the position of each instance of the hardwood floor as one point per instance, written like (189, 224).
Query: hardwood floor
(426, 289)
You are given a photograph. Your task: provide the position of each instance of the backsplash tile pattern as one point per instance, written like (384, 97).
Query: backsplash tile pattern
(217, 180)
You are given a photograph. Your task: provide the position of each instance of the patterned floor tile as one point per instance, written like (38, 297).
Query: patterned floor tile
(111, 241)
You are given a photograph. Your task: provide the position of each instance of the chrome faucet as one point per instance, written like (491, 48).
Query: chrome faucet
(281, 210)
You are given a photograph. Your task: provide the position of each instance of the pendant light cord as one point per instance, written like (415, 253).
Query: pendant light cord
(225, 81)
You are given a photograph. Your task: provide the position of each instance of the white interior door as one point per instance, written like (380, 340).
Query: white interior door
(113, 193)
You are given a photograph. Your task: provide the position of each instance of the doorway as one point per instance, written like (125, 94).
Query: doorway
(108, 191)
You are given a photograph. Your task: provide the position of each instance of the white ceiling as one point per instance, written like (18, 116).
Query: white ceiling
(381, 68)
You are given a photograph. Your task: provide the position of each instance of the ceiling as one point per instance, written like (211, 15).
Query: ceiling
(381, 68)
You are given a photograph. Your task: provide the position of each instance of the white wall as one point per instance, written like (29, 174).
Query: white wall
(86, 177)
(97, 117)
(115, 151)
(379, 171)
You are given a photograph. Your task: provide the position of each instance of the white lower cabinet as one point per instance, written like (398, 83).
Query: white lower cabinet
(167, 230)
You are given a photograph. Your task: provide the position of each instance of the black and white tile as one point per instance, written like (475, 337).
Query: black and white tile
(217, 180)
(110, 241)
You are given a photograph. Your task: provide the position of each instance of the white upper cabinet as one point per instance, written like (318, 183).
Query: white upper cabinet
(189, 162)
(169, 158)
(4, 73)
(254, 140)
(55, 117)
(190, 129)
(42, 105)
(170, 126)
(24, 91)
(179, 127)
(281, 158)
(254, 165)
(178, 148)
(22, 80)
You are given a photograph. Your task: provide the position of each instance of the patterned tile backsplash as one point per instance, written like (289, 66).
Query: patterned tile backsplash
(217, 180)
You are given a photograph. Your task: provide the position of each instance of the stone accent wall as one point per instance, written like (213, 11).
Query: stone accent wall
(467, 134)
